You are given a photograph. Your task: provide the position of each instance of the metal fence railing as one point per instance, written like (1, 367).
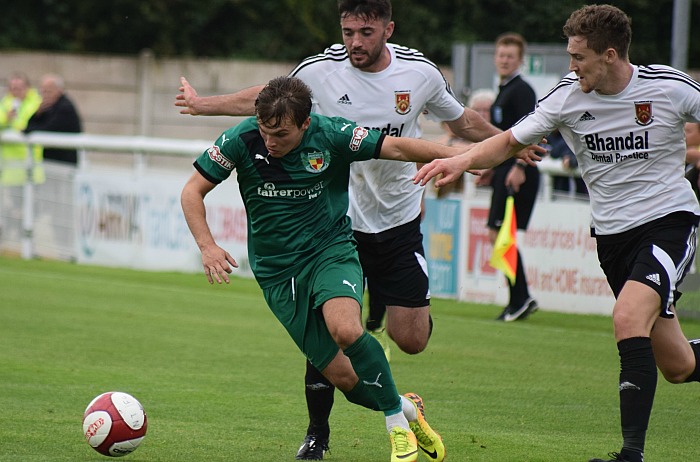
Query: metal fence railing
(38, 220)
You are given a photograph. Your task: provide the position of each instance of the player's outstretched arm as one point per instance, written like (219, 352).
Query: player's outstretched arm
(486, 154)
(216, 261)
(241, 103)
(415, 150)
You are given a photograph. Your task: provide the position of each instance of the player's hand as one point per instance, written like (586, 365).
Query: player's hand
(449, 170)
(531, 154)
(185, 99)
(217, 264)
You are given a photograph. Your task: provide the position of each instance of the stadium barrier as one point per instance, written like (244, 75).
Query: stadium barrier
(128, 214)
(124, 213)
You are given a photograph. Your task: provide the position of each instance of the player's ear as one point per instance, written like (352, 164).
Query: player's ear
(389, 30)
(610, 55)
(307, 122)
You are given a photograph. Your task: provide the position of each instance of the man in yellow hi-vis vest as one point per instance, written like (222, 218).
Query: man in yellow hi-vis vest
(16, 108)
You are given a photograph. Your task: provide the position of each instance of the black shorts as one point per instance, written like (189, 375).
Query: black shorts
(394, 265)
(657, 254)
(524, 199)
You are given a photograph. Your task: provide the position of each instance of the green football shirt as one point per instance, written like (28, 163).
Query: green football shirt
(296, 205)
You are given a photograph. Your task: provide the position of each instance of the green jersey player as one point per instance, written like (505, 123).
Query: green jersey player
(293, 167)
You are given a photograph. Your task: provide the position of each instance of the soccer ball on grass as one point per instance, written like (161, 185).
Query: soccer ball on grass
(114, 424)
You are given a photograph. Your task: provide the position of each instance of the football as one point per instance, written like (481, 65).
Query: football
(114, 424)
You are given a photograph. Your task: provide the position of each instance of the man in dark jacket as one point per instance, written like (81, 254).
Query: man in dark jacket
(515, 99)
(56, 114)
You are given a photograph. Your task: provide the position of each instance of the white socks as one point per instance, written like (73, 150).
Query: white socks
(401, 419)
(396, 420)
(409, 409)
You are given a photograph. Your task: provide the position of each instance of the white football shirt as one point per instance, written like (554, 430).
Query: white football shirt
(630, 146)
(382, 193)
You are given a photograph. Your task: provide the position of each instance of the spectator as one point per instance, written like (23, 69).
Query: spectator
(481, 101)
(16, 107)
(57, 113)
(515, 99)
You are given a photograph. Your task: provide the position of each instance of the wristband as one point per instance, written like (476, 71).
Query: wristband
(520, 166)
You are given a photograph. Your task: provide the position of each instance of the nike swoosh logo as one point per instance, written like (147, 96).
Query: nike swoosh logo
(406, 456)
(432, 455)
(344, 127)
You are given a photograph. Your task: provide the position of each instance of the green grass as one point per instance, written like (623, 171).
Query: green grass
(221, 381)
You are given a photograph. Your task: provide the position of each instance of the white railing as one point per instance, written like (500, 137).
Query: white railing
(137, 146)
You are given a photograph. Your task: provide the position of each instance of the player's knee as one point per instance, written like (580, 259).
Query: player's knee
(678, 372)
(621, 320)
(344, 383)
(675, 376)
(410, 344)
(627, 325)
(412, 349)
(346, 336)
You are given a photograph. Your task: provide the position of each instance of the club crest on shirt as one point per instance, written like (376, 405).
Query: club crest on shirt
(403, 102)
(317, 161)
(643, 112)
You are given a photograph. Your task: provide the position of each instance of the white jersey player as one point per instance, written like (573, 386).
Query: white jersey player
(382, 193)
(625, 124)
(630, 146)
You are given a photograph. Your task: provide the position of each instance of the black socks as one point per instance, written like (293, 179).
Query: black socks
(638, 377)
(319, 401)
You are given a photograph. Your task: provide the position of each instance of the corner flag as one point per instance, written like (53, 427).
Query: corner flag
(505, 251)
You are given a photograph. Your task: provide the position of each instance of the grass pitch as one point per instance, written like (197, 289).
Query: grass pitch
(221, 381)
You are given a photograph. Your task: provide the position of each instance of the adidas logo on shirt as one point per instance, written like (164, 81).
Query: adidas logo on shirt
(655, 278)
(586, 116)
(345, 99)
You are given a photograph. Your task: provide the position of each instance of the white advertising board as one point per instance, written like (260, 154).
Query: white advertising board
(135, 221)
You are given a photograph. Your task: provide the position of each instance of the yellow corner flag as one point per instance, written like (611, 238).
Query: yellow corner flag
(505, 251)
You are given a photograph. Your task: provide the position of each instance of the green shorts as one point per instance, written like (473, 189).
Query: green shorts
(297, 303)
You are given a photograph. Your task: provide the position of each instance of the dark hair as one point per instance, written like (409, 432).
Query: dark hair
(283, 98)
(365, 9)
(512, 38)
(603, 26)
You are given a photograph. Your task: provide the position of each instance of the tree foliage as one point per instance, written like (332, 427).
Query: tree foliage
(292, 29)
